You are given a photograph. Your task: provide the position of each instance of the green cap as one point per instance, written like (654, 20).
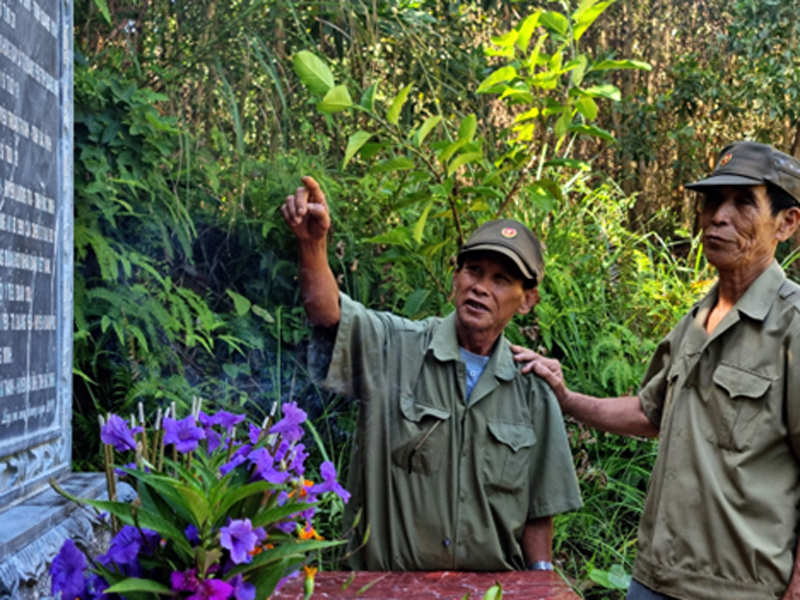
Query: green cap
(512, 239)
(751, 163)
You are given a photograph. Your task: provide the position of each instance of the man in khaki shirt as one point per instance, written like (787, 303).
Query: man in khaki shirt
(723, 395)
(459, 459)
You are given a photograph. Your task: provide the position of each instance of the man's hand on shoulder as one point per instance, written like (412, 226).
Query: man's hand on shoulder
(306, 212)
(548, 369)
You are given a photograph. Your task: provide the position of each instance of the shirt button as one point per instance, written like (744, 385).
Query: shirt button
(463, 496)
(446, 542)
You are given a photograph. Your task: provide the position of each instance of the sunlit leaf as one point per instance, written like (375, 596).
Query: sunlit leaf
(134, 584)
(354, 144)
(393, 114)
(587, 107)
(527, 115)
(502, 75)
(569, 162)
(526, 29)
(415, 302)
(401, 163)
(587, 13)
(313, 73)
(368, 98)
(467, 129)
(604, 91)
(460, 161)
(419, 227)
(505, 40)
(337, 99)
(102, 6)
(240, 303)
(593, 131)
(605, 65)
(397, 236)
(555, 22)
(578, 69)
(425, 129)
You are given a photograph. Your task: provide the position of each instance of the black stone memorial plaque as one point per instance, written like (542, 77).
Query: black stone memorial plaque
(35, 244)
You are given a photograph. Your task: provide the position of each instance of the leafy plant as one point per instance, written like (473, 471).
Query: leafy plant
(226, 514)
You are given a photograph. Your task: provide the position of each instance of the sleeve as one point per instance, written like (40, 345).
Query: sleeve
(352, 358)
(554, 485)
(791, 389)
(652, 391)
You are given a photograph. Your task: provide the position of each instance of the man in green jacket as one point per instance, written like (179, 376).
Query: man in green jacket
(723, 395)
(459, 459)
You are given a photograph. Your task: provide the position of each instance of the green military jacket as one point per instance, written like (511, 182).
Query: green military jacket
(721, 515)
(443, 483)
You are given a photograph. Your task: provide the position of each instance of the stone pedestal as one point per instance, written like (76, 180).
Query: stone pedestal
(32, 533)
(447, 585)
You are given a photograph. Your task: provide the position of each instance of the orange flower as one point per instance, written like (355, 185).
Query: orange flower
(309, 533)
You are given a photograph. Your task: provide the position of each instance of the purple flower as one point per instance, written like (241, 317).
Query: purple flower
(240, 539)
(283, 580)
(127, 544)
(286, 526)
(227, 420)
(67, 570)
(243, 590)
(184, 581)
(264, 467)
(329, 484)
(289, 426)
(238, 458)
(253, 433)
(192, 535)
(117, 432)
(212, 589)
(298, 460)
(185, 434)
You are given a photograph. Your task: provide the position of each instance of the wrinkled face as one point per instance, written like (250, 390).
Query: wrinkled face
(739, 231)
(488, 293)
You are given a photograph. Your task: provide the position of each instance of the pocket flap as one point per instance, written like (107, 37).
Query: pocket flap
(415, 412)
(513, 435)
(739, 383)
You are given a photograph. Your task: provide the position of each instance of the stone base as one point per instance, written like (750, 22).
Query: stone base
(441, 585)
(33, 532)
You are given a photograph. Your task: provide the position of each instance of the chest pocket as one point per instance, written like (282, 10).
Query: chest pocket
(506, 465)
(736, 407)
(421, 436)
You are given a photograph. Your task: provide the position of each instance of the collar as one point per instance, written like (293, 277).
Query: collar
(444, 346)
(758, 299)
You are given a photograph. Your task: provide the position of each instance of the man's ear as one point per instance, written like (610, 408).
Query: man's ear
(789, 219)
(529, 300)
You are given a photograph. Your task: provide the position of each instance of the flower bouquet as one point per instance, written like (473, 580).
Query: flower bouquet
(223, 510)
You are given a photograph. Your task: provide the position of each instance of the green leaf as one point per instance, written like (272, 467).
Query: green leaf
(336, 100)
(466, 158)
(133, 584)
(102, 6)
(604, 91)
(425, 129)
(263, 313)
(397, 236)
(555, 22)
(240, 303)
(419, 227)
(569, 162)
(562, 125)
(467, 129)
(605, 65)
(526, 29)
(587, 107)
(232, 496)
(586, 14)
(527, 115)
(445, 154)
(313, 73)
(368, 98)
(393, 114)
(593, 131)
(502, 75)
(391, 165)
(280, 551)
(354, 144)
(578, 69)
(506, 40)
(415, 301)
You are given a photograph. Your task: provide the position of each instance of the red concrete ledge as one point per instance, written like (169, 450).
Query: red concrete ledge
(447, 585)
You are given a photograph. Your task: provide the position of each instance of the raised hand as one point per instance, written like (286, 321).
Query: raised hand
(306, 212)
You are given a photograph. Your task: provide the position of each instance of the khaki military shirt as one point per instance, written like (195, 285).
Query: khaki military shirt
(720, 519)
(444, 483)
